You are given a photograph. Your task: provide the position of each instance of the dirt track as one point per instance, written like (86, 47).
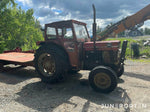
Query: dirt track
(22, 91)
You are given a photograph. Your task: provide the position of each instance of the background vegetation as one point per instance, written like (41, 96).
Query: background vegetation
(144, 50)
(18, 28)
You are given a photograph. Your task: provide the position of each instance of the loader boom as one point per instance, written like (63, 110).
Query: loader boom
(127, 23)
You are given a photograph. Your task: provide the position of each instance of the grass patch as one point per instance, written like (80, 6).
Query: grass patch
(140, 60)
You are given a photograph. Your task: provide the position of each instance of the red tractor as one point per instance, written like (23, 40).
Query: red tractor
(68, 47)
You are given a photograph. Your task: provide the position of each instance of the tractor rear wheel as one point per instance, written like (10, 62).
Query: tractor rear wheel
(48, 64)
(103, 79)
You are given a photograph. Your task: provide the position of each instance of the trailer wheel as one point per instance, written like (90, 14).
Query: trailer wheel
(103, 79)
(120, 71)
(48, 64)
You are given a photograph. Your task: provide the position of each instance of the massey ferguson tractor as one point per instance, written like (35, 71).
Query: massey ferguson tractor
(68, 47)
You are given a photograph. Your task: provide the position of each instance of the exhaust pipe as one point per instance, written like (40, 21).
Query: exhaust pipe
(94, 26)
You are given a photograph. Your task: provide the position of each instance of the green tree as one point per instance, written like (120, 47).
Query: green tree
(4, 3)
(18, 28)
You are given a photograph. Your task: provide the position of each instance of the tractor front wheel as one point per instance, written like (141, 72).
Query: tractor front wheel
(103, 79)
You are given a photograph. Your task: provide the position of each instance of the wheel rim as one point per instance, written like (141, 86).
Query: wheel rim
(102, 80)
(46, 63)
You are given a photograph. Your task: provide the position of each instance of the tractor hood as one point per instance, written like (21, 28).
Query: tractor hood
(102, 45)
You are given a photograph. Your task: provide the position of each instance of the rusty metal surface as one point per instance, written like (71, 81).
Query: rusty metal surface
(17, 57)
(102, 45)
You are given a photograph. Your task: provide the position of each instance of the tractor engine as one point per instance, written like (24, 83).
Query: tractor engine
(105, 53)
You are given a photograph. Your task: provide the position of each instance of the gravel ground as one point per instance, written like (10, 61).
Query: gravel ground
(22, 91)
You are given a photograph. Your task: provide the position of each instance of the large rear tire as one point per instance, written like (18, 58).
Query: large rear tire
(48, 64)
(103, 79)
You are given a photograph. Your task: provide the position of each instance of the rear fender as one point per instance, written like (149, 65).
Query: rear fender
(62, 52)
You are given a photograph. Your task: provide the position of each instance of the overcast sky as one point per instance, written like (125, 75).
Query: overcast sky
(47, 11)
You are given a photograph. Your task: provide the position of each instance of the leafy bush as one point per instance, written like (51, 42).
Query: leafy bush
(18, 28)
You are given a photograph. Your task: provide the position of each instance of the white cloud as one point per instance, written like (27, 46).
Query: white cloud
(48, 11)
(56, 11)
(146, 24)
(124, 13)
(26, 2)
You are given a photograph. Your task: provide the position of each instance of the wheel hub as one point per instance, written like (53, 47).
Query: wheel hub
(102, 80)
(47, 64)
